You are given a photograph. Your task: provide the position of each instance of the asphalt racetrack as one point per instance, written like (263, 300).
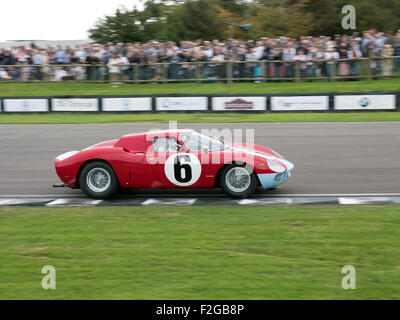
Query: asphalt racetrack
(329, 158)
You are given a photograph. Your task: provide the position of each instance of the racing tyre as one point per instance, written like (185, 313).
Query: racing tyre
(238, 181)
(98, 180)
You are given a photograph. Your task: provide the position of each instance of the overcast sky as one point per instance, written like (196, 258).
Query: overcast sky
(54, 19)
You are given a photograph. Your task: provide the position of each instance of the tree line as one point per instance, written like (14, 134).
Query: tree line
(174, 20)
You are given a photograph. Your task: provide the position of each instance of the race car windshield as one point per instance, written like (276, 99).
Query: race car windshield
(198, 142)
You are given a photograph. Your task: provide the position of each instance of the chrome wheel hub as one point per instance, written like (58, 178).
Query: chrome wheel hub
(238, 179)
(98, 180)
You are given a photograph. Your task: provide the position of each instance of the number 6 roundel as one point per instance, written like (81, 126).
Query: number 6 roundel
(182, 169)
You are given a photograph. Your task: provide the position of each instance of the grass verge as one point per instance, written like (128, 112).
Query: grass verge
(68, 118)
(276, 252)
(50, 89)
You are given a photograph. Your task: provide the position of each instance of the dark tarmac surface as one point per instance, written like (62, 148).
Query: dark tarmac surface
(329, 158)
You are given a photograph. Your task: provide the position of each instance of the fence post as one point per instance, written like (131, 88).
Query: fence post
(333, 71)
(229, 71)
(136, 73)
(165, 72)
(264, 71)
(298, 71)
(20, 75)
(101, 73)
(367, 63)
(197, 71)
(105, 73)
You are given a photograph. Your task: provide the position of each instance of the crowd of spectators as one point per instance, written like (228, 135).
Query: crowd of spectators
(116, 61)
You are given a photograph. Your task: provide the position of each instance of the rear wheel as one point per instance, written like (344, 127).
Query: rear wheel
(238, 181)
(98, 180)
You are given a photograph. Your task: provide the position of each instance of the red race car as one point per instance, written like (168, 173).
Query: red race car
(171, 159)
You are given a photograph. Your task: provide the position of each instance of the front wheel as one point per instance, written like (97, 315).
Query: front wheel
(238, 181)
(98, 180)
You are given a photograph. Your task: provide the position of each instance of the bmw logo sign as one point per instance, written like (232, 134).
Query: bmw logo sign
(365, 102)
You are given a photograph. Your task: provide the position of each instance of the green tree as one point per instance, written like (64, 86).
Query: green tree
(124, 26)
(203, 19)
(194, 20)
(132, 25)
(237, 7)
(326, 17)
(279, 18)
(382, 14)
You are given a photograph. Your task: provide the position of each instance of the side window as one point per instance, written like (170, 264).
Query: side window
(165, 145)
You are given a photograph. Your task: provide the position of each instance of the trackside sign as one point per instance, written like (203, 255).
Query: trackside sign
(239, 103)
(300, 103)
(365, 102)
(25, 105)
(75, 105)
(127, 104)
(181, 103)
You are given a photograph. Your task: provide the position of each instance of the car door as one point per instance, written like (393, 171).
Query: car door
(173, 165)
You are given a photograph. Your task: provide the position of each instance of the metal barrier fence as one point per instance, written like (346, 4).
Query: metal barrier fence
(224, 71)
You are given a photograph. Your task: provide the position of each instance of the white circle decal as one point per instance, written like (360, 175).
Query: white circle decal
(182, 169)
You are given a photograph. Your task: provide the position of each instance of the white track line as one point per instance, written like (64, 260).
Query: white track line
(175, 201)
(64, 202)
(270, 195)
(334, 195)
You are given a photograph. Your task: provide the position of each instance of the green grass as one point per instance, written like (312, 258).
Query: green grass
(200, 252)
(62, 118)
(42, 89)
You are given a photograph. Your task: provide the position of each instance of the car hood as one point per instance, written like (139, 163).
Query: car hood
(257, 149)
(262, 152)
(104, 144)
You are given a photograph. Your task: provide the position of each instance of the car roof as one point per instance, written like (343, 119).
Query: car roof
(160, 132)
(175, 132)
(137, 141)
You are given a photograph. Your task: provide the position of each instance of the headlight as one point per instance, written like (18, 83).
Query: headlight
(66, 155)
(275, 166)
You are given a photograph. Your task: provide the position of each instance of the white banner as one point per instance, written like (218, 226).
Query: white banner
(126, 104)
(365, 102)
(300, 103)
(239, 103)
(75, 105)
(181, 103)
(25, 105)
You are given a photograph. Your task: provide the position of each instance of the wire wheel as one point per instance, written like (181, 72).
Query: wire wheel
(238, 179)
(98, 180)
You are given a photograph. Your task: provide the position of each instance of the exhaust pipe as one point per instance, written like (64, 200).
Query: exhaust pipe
(60, 185)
